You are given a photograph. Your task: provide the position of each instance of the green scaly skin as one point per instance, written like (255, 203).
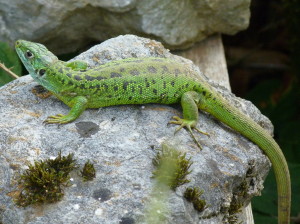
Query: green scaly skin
(148, 80)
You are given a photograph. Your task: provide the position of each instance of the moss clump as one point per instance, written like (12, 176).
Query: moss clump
(42, 181)
(193, 195)
(235, 207)
(172, 167)
(88, 172)
(243, 189)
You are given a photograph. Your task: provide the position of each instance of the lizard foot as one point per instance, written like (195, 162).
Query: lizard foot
(58, 119)
(189, 125)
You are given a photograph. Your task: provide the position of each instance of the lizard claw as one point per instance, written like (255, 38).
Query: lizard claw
(57, 119)
(189, 125)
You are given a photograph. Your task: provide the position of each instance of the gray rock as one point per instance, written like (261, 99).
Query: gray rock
(121, 142)
(66, 26)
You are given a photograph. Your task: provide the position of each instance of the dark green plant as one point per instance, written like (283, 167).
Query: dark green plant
(193, 195)
(172, 167)
(10, 59)
(43, 181)
(88, 172)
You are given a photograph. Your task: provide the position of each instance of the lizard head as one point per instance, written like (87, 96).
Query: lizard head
(35, 57)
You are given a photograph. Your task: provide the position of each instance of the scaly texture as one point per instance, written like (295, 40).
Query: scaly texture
(148, 80)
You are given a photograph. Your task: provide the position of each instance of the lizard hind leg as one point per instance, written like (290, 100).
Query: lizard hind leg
(189, 101)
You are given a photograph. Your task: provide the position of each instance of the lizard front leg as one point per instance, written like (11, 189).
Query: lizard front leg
(189, 101)
(78, 103)
(77, 65)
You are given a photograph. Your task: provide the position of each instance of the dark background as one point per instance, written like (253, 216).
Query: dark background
(264, 67)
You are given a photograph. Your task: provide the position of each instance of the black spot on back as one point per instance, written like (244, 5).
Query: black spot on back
(77, 77)
(100, 78)
(140, 89)
(176, 72)
(105, 86)
(132, 89)
(163, 95)
(152, 69)
(125, 84)
(164, 84)
(165, 69)
(89, 78)
(147, 83)
(134, 72)
(115, 74)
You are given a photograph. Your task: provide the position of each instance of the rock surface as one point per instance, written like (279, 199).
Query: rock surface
(120, 141)
(66, 26)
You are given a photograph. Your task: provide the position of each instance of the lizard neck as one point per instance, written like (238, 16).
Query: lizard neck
(58, 77)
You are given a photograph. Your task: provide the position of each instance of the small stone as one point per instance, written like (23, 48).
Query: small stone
(99, 212)
(76, 206)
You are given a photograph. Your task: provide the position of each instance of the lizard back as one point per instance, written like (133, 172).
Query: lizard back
(128, 81)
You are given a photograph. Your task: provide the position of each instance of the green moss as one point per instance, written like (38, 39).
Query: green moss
(236, 204)
(243, 189)
(235, 207)
(42, 181)
(172, 167)
(88, 172)
(193, 195)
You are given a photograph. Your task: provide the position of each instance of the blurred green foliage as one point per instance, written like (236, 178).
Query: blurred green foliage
(284, 114)
(10, 59)
(265, 207)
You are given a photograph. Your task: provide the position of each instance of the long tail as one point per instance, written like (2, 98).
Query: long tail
(231, 116)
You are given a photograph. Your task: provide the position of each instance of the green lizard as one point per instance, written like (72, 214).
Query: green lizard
(148, 80)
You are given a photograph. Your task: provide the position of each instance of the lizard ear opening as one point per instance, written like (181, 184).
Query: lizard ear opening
(42, 72)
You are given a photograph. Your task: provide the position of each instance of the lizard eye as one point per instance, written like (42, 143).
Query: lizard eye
(28, 54)
(42, 72)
